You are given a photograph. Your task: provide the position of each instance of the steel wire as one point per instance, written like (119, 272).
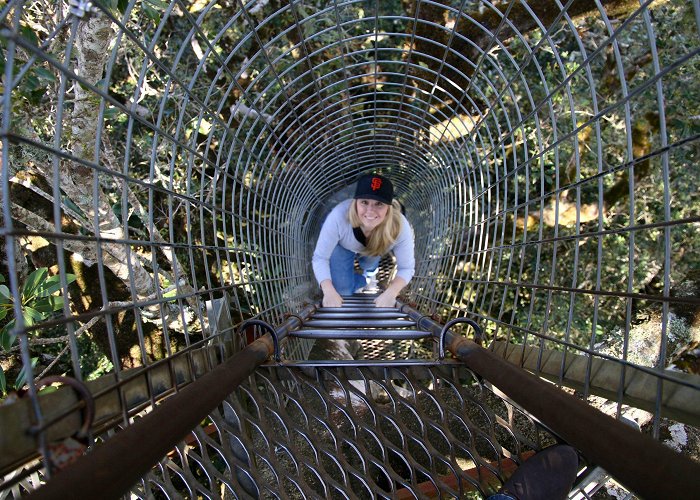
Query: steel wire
(546, 159)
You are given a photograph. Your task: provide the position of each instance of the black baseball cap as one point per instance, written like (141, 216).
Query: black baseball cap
(375, 187)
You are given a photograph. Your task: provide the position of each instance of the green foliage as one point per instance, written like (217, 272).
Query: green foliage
(40, 300)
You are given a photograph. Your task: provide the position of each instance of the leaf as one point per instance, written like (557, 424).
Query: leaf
(29, 35)
(3, 382)
(108, 4)
(48, 286)
(70, 204)
(158, 3)
(3, 312)
(31, 82)
(45, 74)
(7, 338)
(49, 304)
(22, 377)
(152, 13)
(112, 112)
(43, 305)
(52, 285)
(33, 281)
(31, 316)
(4, 295)
(48, 390)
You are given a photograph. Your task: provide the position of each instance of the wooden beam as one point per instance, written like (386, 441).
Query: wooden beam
(678, 401)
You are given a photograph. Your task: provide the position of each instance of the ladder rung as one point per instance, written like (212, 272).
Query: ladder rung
(359, 315)
(310, 333)
(359, 323)
(357, 308)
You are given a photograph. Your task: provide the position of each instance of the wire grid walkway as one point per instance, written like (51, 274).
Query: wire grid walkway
(171, 164)
(352, 433)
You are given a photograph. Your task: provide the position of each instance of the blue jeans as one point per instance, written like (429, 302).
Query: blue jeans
(345, 279)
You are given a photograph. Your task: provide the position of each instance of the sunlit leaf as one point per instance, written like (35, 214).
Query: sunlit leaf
(3, 382)
(48, 389)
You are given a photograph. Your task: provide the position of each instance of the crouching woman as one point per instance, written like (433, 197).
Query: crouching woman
(364, 228)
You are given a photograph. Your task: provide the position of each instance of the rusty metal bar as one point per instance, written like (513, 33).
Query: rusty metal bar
(640, 463)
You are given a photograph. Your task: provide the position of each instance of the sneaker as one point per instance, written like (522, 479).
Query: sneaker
(372, 285)
(548, 475)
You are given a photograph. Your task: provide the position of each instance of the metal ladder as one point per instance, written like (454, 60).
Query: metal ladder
(358, 318)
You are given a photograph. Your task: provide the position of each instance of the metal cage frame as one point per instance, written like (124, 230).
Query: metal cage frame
(167, 166)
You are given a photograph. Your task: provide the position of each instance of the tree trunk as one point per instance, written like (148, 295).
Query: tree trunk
(92, 46)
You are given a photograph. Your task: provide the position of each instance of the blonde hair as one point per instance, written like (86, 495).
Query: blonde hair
(385, 234)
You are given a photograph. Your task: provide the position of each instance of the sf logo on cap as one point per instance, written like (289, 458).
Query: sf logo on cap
(376, 183)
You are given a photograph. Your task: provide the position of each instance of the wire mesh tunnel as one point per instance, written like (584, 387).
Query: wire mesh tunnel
(166, 168)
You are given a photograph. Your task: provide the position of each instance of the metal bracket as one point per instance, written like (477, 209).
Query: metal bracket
(270, 329)
(478, 334)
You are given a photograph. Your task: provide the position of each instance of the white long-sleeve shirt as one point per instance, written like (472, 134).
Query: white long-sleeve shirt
(337, 230)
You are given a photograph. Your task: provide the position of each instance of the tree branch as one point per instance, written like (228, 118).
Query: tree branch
(36, 223)
(475, 33)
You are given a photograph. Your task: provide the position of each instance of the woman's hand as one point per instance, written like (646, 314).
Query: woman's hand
(331, 298)
(386, 299)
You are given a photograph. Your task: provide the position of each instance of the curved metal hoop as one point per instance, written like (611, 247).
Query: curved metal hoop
(85, 395)
(478, 334)
(266, 326)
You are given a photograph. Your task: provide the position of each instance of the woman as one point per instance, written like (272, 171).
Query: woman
(366, 227)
